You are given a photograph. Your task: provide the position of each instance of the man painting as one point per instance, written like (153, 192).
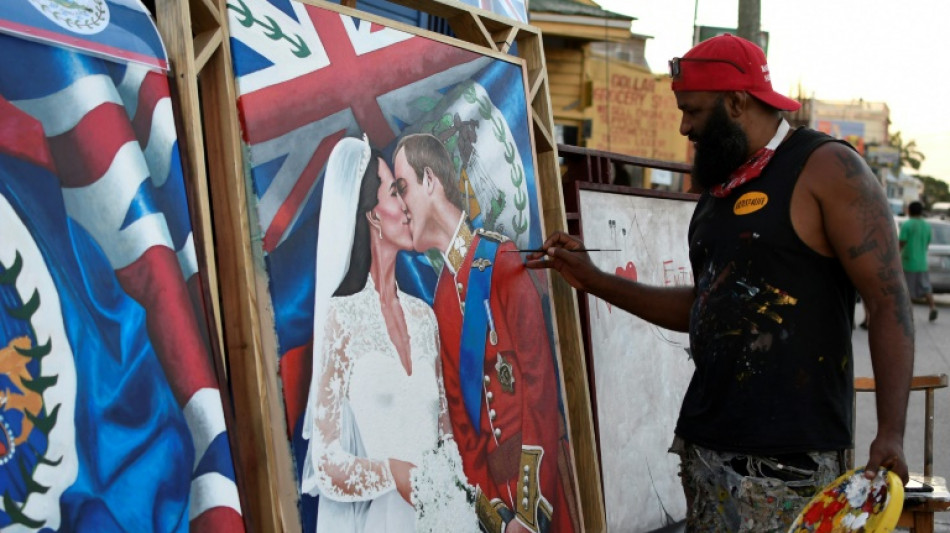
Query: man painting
(498, 367)
(789, 225)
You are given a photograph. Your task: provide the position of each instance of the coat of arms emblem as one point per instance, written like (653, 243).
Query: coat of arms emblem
(38, 460)
(86, 17)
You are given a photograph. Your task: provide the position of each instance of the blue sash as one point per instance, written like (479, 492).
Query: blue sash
(475, 329)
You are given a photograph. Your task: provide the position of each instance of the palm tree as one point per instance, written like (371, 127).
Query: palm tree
(909, 154)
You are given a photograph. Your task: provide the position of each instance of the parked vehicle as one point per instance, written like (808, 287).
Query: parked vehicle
(938, 253)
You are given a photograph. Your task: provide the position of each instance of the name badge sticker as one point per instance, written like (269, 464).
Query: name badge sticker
(750, 202)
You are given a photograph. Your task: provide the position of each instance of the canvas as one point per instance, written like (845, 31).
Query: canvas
(640, 371)
(111, 415)
(514, 9)
(392, 180)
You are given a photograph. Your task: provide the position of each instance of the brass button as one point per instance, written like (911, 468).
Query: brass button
(497, 432)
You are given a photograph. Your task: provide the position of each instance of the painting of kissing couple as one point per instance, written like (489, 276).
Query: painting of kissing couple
(392, 180)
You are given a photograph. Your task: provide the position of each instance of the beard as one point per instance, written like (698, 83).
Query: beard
(720, 149)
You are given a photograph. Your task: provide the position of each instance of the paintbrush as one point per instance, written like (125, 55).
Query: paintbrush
(544, 251)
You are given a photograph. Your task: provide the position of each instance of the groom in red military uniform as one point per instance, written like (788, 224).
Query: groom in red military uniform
(497, 363)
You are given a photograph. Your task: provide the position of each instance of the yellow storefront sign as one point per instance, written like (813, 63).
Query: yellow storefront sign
(633, 112)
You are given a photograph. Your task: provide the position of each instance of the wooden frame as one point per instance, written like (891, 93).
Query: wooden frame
(196, 36)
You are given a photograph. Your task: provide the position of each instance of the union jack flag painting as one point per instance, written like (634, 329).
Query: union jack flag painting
(308, 77)
(111, 418)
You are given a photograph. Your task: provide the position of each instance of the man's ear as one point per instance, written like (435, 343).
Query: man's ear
(737, 103)
(428, 180)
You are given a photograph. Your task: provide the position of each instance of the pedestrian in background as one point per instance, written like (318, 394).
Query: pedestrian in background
(915, 238)
(790, 223)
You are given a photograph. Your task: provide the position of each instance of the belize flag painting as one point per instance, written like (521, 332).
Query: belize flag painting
(111, 417)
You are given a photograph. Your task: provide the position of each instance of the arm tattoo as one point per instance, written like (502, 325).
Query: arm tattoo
(873, 214)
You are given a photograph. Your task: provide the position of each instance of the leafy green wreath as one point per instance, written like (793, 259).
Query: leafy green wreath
(519, 220)
(24, 313)
(98, 13)
(272, 30)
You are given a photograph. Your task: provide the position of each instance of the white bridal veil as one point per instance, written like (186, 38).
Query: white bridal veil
(341, 187)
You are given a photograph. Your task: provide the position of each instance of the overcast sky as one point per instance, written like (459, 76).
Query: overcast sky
(882, 51)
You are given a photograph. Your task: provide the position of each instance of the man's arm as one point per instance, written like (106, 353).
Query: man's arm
(859, 228)
(667, 307)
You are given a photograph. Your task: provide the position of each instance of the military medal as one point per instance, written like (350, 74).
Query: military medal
(505, 376)
(481, 264)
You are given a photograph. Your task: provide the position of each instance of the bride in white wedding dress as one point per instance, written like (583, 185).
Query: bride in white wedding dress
(376, 400)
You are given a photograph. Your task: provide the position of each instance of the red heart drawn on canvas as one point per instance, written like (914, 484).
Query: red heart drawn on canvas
(629, 272)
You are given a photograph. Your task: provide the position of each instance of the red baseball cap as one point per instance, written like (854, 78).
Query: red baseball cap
(728, 63)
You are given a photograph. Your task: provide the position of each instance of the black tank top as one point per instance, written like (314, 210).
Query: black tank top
(770, 329)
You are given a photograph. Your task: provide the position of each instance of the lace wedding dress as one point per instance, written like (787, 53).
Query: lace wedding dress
(369, 409)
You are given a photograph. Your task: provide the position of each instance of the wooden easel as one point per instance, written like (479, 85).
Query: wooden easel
(196, 36)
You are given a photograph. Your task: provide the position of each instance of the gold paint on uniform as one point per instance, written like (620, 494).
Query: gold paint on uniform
(487, 512)
(528, 493)
(493, 235)
(459, 247)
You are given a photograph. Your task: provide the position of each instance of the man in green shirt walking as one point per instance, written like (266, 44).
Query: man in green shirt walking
(914, 238)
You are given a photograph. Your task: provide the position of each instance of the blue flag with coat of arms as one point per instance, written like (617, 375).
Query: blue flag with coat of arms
(110, 414)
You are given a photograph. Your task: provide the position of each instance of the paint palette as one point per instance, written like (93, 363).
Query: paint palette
(853, 503)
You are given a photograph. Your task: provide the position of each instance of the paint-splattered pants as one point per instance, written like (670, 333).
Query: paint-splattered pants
(731, 492)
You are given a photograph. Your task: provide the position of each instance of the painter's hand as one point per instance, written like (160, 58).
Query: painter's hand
(887, 451)
(560, 254)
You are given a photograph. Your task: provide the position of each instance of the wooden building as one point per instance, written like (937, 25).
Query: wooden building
(604, 94)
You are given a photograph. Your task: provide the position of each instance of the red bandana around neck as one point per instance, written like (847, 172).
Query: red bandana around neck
(751, 169)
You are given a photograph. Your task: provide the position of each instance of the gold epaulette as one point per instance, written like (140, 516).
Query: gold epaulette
(493, 235)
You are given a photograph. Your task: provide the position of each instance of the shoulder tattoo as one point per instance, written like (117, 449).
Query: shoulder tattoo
(873, 213)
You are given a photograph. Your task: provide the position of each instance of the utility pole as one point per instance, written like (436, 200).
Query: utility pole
(749, 21)
(695, 27)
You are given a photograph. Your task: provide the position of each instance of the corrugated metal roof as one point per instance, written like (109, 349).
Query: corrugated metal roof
(572, 7)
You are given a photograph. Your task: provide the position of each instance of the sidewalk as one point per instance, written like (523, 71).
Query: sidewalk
(932, 357)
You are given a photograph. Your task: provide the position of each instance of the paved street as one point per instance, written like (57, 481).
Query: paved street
(932, 357)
